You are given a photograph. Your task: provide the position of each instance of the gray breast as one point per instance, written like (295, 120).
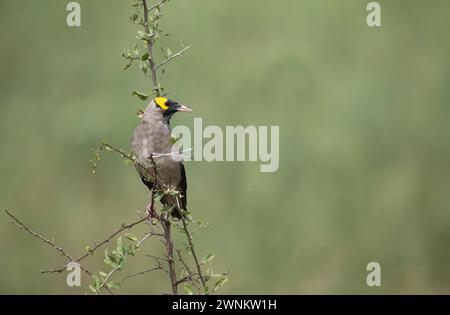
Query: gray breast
(153, 136)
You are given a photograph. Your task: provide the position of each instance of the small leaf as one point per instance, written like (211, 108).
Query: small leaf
(96, 283)
(127, 161)
(144, 57)
(188, 289)
(136, 50)
(220, 283)
(131, 237)
(207, 259)
(113, 284)
(102, 273)
(173, 140)
(91, 287)
(141, 95)
(144, 67)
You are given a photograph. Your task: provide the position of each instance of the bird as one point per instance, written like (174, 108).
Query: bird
(153, 145)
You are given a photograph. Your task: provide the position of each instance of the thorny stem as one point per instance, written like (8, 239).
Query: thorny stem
(174, 56)
(108, 276)
(167, 232)
(151, 61)
(194, 255)
(170, 260)
(22, 226)
(156, 5)
(98, 245)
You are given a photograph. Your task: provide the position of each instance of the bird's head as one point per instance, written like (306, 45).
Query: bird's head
(162, 107)
(166, 107)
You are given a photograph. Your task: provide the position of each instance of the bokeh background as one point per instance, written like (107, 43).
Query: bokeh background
(364, 140)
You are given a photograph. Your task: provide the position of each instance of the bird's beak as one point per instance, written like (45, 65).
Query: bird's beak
(183, 108)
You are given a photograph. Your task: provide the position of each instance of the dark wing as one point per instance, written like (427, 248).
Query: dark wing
(143, 174)
(183, 186)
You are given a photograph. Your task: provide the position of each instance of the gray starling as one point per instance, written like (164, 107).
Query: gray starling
(152, 140)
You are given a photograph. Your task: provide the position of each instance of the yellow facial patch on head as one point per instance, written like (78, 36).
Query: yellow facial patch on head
(161, 102)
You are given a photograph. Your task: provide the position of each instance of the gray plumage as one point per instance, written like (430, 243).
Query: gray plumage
(153, 136)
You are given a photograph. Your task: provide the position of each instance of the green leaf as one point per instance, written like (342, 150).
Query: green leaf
(173, 140)
(127, 161)
(188, 289)
(113, 284)
(91, 287)
(102, 273)
(110, 260)
(144, 36)
(158, 195)
(96, 284)
(144, 57)
(215, 275)
(207, 259)
(131, 237)
(136, 50)
(141, 95)
(220, 283)
(144, 68)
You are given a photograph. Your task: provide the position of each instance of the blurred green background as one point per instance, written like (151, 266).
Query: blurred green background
(364, 140)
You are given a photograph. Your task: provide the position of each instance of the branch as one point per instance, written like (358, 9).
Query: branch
(156, 5)
(151, 61)
(194, 255)
(160, 267)
(22, 226)
(98, 245)
(170, 260)
(166, 228)
(191, 274)
(139, 243)
(173, 56)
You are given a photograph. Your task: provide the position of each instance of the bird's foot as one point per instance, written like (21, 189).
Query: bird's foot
(151, 213)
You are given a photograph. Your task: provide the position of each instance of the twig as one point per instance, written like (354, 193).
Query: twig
(157, 155)
(171, 261)
(174, 56)
(19, 224)
(22, 226)
(125, 155)
(194, 255)
(160, 267)
(188, 269)
(168, 237)
(156, 5)
(108, 276)
(98, 245)
(151, 61)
